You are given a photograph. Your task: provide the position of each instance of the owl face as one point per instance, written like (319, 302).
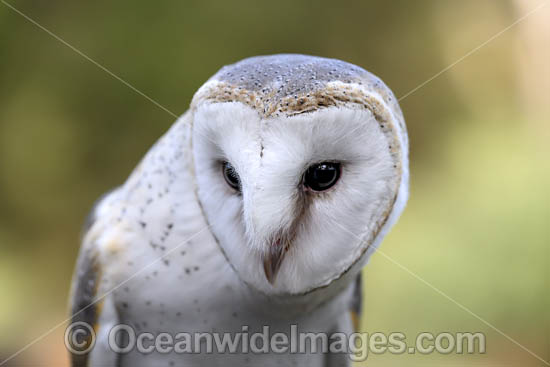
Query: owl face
(296, 201)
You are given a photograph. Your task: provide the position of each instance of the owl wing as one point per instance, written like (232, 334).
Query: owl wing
(86, 307)
(356, 305)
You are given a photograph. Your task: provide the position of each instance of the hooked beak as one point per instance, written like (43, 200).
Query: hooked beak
(274, 258)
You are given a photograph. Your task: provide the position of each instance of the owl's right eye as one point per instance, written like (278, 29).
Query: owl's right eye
(231, 176)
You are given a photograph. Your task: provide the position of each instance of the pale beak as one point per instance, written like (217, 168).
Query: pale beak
(274, 258)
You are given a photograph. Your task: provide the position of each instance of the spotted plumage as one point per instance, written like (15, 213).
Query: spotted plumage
(220, 227)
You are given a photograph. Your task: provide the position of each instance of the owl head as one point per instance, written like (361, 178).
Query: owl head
(301, 168)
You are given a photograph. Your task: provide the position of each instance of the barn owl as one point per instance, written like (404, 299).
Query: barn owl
(258, 208)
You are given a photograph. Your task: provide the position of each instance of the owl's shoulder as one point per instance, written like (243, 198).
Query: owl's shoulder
(146, 211)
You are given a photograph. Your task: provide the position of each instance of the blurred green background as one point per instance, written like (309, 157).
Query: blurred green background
(477, 225)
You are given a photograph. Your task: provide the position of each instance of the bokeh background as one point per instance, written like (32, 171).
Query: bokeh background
(478, 223)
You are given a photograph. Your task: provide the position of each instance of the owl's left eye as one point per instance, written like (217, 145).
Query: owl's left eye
(231, 176)
(322, 176)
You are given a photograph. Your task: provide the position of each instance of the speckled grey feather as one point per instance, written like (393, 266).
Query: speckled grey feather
(290, 74)
(291, 84)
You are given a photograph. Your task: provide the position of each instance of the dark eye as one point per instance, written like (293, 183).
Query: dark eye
(231, 176)
(322, 176)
